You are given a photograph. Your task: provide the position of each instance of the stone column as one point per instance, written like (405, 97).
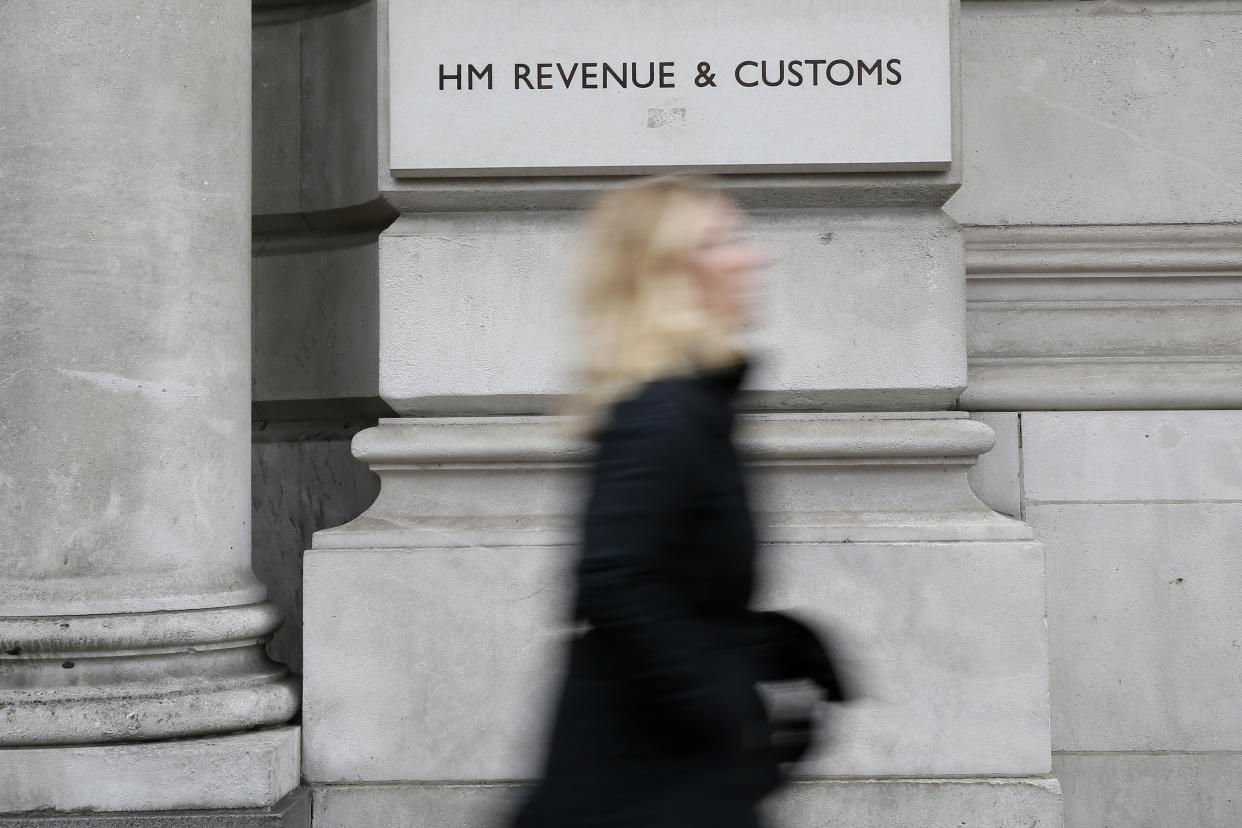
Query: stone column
(128, 608)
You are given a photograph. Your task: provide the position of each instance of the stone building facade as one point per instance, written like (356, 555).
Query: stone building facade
(996, 434)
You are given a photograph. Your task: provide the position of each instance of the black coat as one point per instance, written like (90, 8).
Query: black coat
(659, 724)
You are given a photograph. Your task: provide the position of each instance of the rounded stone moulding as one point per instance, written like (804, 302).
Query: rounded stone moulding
(129, 677)
(464, 482)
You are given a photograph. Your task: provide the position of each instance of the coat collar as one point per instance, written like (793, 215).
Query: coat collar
(724, 380)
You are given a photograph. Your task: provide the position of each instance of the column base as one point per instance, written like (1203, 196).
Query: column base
(293, 811)
(129, 677)
(239, 771)
(1011, 802)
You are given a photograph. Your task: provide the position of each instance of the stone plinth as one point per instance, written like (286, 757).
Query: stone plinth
(870, 531)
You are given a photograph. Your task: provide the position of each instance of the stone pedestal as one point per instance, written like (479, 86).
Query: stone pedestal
(870, 530)
(128, 610)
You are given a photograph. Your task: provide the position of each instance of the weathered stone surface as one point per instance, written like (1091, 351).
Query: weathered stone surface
(294, 811)
(1093, 113)
(303, 479)
(1143, 621)
(880, 803)
(437, 664)
(277, 135)
(244, 770)
(482, 481)
(1129, 456)
(573, 121)
(996, 475)
(316, 323)
(461, 291)
(338, 107)
(1104, 317)
(126, 258)
(1145, 791)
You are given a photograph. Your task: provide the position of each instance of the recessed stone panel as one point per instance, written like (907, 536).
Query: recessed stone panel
(862, 309)
(439, 664)
(1143, 624)
(1100, 113)
(1145, 791)
(1132, 455)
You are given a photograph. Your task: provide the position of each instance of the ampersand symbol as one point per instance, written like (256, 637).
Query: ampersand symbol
(706, 76)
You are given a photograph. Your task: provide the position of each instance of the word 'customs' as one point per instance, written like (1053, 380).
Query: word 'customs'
(564, 87)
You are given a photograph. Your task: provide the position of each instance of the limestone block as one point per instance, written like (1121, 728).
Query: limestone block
(1092, 113)
(478, 317)
(996, 475)
(243, 770)
(1145, 791)
(277, 92)
(338, 140)
(1133, 455)
(316, 329)
(815, 478)
(1143, 621)
(438, 664)
(879, 803)
(1092, 317)
(294, 811)
(303, 479)
(889, 190)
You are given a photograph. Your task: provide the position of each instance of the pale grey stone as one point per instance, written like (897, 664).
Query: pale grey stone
(449, 128)
(996, 475)
(124, 300)
(1135, 455)
(414, 806)
(438, 664)
(130, 608)
(464, 290)
(1143, 624)
(485, 481)
(1033, 802)
(244, 770)
(294, 811)
(316, 324)
(1102, 385)
(888, 190)
(1093, 113)
(75, 678)
(1087, 330)
(1146, 791)
(1104, 317)
(879, 803)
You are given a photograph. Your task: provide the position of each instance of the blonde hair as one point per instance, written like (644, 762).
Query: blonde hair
(641, 315)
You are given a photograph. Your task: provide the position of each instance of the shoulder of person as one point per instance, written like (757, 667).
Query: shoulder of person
(662, 407)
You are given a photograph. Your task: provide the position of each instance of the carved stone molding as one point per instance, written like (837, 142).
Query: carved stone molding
(467, 482)
(1104, 317)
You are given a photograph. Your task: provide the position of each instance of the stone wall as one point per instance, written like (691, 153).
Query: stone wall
(314, 303)
(1101, 193)
(1100, 199)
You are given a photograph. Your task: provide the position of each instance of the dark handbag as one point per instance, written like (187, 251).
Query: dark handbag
(797, 673)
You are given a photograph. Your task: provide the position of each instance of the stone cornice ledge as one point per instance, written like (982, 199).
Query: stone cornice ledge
(467, 482)
(1120, 317)
(436, 443)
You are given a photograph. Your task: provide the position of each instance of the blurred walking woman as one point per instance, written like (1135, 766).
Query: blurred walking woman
(659, 723)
